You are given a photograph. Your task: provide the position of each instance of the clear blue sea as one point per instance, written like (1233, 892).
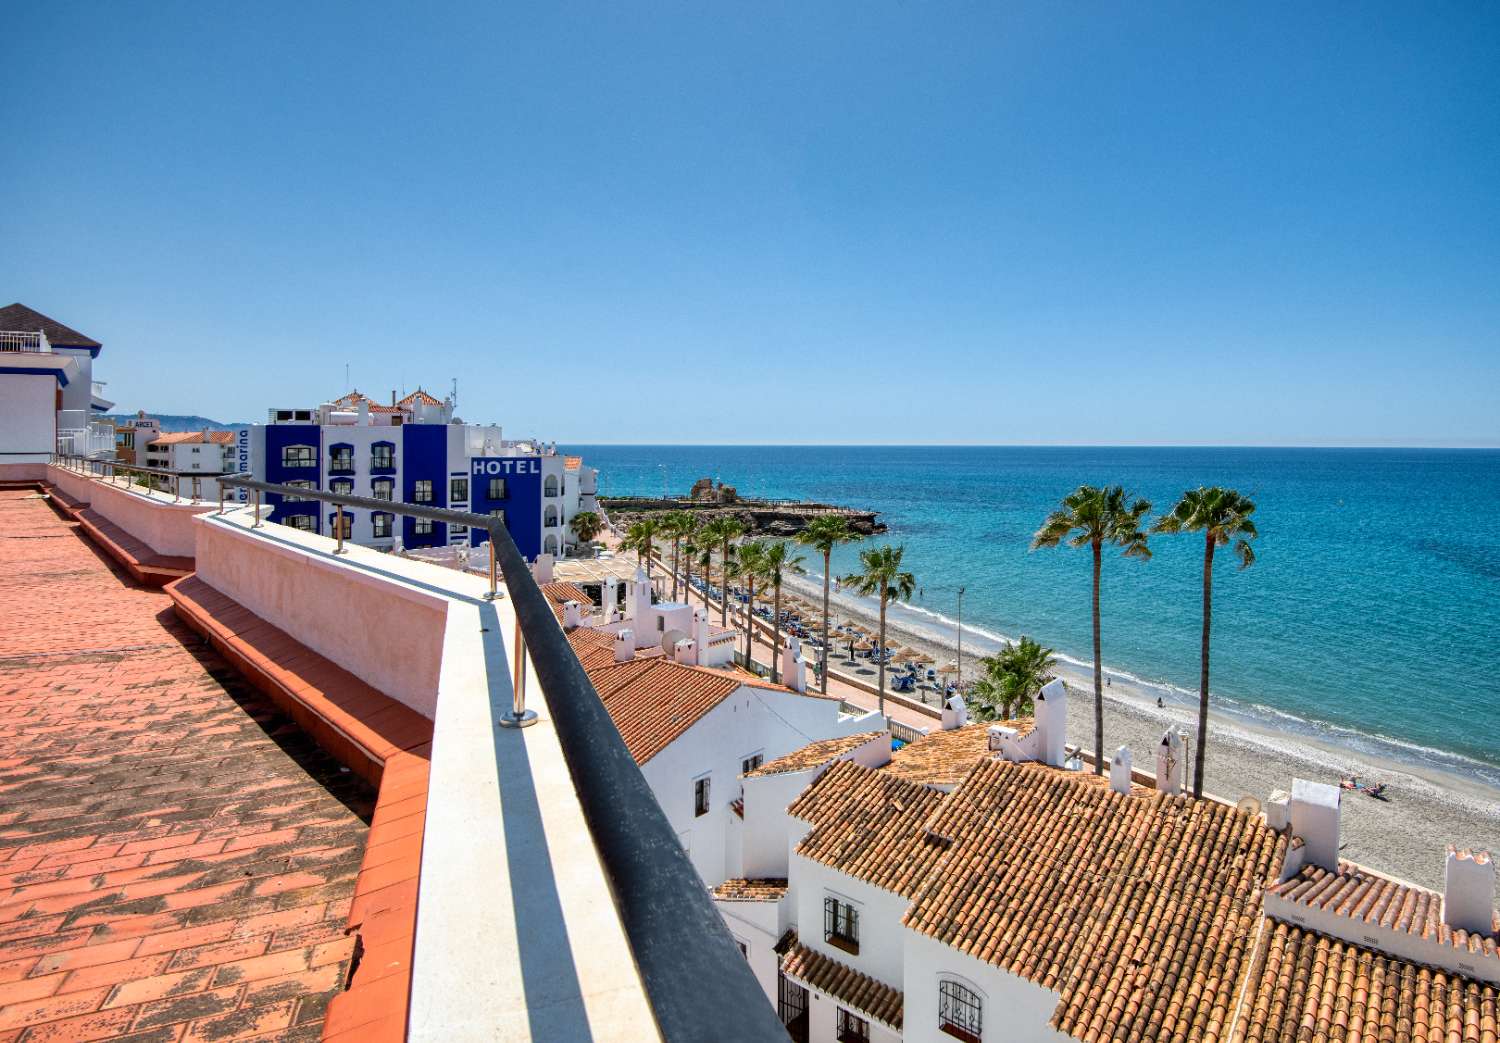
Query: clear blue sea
(1371, 619)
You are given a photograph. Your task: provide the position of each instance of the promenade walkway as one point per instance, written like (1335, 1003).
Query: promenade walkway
(176, 858)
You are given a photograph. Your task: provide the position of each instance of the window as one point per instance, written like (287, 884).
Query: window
(840, 924)
(551, 516)
(283, 414)
(791, 1005)
(551, 485)
(421, 526)
(333, 520)
(497, 488)
(382, 523)
(305, 522)
(382, 456)
(458, 490)
(458, 530)
(298, 456)
(851, 1028)
(383, 489)
(341, 458)
(499, 513)
(197, 449)
(342, 486)
(959, 1010)
(292, 498)
(700, 797)
(751, 762)
(421, 491)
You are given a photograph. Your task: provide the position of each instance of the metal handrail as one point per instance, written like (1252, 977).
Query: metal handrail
(111, 469)
(677, 936)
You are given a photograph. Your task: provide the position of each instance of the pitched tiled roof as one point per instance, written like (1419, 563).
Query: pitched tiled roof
(1361, 894)
(653, 701)
(594, 648)
(1308, 986)
(869, 825)
(419, 397)
(572, 463)
(19, 318)
(743, 890)
(813, 755)
(194, 438)
(845, 984)
(1139, 909)
(944, 758)
(557, 593)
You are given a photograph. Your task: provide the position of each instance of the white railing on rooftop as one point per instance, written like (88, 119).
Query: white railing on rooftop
(22, 340)
(96, 441)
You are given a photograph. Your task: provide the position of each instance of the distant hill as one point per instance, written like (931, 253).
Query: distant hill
(175, 422)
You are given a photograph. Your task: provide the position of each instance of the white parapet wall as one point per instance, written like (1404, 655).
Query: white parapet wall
(161, 521)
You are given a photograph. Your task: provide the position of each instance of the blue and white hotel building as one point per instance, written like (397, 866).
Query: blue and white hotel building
(416, 451)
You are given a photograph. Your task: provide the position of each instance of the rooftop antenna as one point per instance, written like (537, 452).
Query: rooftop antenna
(346, 377)
(455, 392)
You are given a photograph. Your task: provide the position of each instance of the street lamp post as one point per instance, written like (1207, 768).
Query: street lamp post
(960, 640)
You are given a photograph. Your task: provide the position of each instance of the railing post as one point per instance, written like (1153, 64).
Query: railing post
(177, 488)
(221, 497)
(197, 488)
(492, 593)
(338, 526)
(519, 716)
(256, 524)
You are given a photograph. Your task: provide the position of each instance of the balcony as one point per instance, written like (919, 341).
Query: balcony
(515, 882)
(20, 340)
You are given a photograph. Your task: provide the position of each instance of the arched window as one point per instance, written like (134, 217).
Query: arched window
(549, 487)
(960, 1011)
(341, 458)
(551, 516)
(550, 545)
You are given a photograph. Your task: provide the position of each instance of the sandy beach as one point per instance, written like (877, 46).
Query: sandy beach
(1405, 837)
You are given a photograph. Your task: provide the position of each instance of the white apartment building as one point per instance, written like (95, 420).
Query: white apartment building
(48, 395)
(416, 450)
(973, 886)
(197, 457)
(694, 728)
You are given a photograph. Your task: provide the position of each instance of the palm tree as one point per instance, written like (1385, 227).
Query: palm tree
(689, 549)
(881, 575)
(674, 525)
(1094, 516)
(638, 538)
(1223, 516)
(586, 525)
(724, 530)
(777, 559)
(1012, 678)
(747, 565)
(822, 534)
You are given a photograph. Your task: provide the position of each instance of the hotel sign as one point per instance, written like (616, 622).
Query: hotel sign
(242, 459)
(505, 467)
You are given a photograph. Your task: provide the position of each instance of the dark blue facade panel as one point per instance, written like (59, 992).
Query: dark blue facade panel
(424, 457)
(279, 470)
(520, 478)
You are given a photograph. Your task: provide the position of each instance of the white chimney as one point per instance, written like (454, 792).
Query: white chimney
(955, 713)
(609, 602)
(638, 597)
(624, 645)
(685, 652)
(541, 569)
(572, 615)
(1469, 891)
(793, 669)
(1119, 770)
(1278, 809)
(999, 735)
(1169, 762)
(700, 631)
(364, 413)
(1052, 722)
(1315, 818)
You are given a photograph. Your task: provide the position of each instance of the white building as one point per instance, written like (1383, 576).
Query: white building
(694, 729)
(972, 886)
(48, 395)
(198, 458)
(416, 450)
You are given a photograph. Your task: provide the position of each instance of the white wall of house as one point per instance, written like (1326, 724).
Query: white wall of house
(79, 394)
(28, 417)
(758, 926)
(751, 721)
(1014, 1010)
(822, 1021)
(881, 941)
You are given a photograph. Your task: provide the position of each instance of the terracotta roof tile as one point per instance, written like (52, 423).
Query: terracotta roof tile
(944, 758)
(813, 755)
(1138, 909)
(743, 890)
(869, 825)
(594, 648)
(419, 397)
(1308, 986)
(194, 438)
(653, 701)
(557, 593)
(572, 463)
(858, 991)
(1364, 895)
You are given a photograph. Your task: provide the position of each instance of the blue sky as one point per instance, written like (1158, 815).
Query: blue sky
(864, 222)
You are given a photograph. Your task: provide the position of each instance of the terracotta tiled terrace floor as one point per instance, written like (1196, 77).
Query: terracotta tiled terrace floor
(176, 858)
